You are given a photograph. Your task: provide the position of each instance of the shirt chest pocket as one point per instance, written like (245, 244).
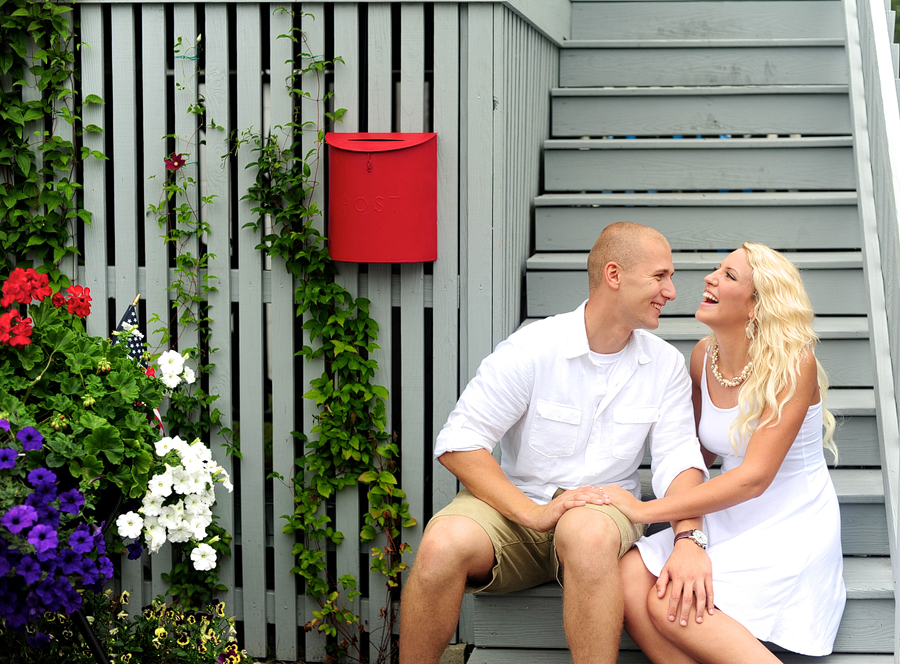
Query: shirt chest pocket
(632, 424)
(554, 432)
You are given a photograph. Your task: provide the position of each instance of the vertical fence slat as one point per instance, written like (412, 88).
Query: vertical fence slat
(156, 258)
(218, 184)
(498, 197)
(93, 62)
(412, 294)
(446, 268)
(187, 140)
(479, 239)
(66, 131)
(313, 25)
(282, 352)
(250, 334)
(346, 96)
(379, 95)
(125, 202)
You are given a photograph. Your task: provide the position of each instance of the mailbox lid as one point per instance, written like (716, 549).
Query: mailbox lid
(376, 142)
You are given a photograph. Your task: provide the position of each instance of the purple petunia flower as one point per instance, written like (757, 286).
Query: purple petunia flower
(71, 501)
(29, 569)
(18, 517)
(106, 567)
(89, 572)
(135, 550)
(69, 561)
(41, 476)
(45, 492)
(7, 458)
(4, 424)
(5, 566)
(80, 540)
(31, 438)
(39, 640)
(43, 537)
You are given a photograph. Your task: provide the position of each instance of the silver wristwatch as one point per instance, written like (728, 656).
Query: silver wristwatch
(697, 535)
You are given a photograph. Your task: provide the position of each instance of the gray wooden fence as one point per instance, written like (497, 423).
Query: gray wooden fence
(476, 73)
(877, 129)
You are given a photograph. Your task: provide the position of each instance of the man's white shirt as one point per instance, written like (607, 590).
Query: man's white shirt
(564, 421)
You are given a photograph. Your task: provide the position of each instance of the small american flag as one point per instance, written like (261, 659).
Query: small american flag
(135, 340)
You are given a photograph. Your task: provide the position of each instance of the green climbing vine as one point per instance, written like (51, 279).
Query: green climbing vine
(39, 132)
(349, 442)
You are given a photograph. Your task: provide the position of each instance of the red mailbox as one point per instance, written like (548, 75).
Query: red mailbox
(382, 201)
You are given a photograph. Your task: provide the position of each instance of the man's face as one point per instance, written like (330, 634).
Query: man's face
(647, 286)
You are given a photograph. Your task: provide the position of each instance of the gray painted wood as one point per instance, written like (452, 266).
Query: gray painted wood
(412, 294)
(312, 23)
(559, 228)
(698, 165)
(379, 275)
(281, 349)
(185, 93)
(251, 362)
(346, 95)
(156, 277)
(665, 115)
(698, 20)
(445, 337)
(785, 65)
(125, 212)
(92, 64)
(218, 183)
(833, 290)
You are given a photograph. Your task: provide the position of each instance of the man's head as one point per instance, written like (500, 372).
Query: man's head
(630, 266)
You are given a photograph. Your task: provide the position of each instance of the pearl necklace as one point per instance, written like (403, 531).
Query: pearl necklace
(724, 382)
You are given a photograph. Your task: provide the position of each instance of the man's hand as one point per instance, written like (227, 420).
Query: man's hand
(544, 517)
(689, 570)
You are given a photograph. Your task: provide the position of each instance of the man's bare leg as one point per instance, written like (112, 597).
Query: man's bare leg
(453, 549)
(587, 543)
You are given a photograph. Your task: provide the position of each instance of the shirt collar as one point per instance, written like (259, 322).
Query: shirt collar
(576, 342)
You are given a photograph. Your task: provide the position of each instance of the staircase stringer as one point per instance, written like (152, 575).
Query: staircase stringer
(885, 397)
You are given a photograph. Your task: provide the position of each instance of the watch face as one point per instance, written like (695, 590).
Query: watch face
(700, 538)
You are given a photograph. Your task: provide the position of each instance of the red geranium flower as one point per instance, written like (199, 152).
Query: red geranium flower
(175, 162)
(150, 371)
(25, 285)
(59, 300)
(15, 330)
(79, 302)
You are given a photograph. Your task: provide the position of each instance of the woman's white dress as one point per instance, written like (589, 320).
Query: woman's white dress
(776, 559)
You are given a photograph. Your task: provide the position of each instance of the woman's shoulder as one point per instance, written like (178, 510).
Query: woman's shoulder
(698, 357)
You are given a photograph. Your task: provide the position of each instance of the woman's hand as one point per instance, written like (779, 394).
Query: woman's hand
(625, 502)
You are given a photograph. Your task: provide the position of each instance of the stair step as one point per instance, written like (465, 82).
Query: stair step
(691, 111)
(703, 42)
(781, 19)
(518, 656)
(699, 164)
(556, 283)
(533, 617)
(807, 220)
(705, 63)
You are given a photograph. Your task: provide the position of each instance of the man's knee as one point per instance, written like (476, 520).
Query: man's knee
(583, 532)
(454, 545)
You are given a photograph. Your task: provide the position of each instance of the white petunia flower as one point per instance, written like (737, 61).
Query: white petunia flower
(180, 534)
(164, 446)
(161, 484)
(194, 504)
(170, 380)
(171, 517)
(188, 376)
(151, 504)
(203, 557)
(130, 525)
(181, 481)
(171, 362)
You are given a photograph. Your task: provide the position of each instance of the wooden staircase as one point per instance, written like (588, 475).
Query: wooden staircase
(716, 123)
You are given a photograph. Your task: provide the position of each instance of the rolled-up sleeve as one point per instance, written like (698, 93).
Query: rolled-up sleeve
(492, 402)
(674, 446)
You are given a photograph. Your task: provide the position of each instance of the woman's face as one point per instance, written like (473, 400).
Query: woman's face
(728, 296)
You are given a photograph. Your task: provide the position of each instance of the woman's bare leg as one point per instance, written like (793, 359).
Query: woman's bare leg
(639, 585)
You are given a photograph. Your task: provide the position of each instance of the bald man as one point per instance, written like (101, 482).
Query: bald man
(571, 400)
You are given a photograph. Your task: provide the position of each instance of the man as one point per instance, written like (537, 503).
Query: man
(571, 400)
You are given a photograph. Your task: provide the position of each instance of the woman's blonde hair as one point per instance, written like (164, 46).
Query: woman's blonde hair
(780, 335)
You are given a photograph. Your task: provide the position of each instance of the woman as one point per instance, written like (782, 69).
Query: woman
(772, 515)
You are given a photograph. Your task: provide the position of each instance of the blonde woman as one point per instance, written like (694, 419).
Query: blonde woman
(772, 520)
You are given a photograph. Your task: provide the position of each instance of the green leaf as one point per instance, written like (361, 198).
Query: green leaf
(90, 421)
(89, 468)
(105, 440)
(93, 99)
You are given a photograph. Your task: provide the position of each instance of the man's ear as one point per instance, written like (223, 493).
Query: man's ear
(612, 273)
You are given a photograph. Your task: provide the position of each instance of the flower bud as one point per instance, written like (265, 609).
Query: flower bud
(103, 366)
(88, 401)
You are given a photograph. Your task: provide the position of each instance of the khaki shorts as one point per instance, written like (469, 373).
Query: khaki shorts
(523, 557)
